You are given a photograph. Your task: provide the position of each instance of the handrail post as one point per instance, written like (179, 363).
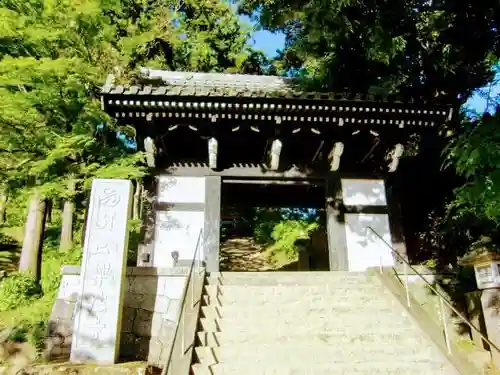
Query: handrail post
(442, 299)
(199, 259)
(445, 325)
(182, 332)
(407, 289)
(192, 289)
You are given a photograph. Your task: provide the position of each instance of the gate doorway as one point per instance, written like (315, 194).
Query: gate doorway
(276, 225)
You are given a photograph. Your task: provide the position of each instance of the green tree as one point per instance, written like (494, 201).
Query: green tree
(475, 154)
(437, 51)
(54, 56)
(54, 138)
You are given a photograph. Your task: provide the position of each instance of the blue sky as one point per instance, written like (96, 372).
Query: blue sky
(478, 103)
(270, 42)
(264, 40)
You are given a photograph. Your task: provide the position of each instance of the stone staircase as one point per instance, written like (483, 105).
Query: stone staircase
(317, 323)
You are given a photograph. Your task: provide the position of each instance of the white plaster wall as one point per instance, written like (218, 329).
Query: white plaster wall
(357, 192)
(178, 229)
(364, 248)
(181, 189)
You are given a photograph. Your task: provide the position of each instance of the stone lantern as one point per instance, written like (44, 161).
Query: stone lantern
(484, 256)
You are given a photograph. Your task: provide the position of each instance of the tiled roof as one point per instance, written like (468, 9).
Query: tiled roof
(204, 84)
(170, 94)
(161, 82)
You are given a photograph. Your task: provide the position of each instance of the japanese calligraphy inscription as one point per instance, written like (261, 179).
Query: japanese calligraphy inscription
(97, 315)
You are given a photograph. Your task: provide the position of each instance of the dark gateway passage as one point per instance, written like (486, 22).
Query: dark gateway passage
(273, 193)
(254, 211)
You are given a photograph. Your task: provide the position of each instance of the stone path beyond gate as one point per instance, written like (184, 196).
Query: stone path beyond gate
(243, 254)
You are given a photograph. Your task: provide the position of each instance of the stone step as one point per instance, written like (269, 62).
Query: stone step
(339, 337)
(297, 290)
(354, 283)
(256, 295)
(273, 307)
(318, 302)
(290, 274)
(353, 325)
(296, 278)
(301, 311)
(368, 368)
(318, 354)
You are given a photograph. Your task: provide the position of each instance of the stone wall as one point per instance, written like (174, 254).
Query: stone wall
(152, 301)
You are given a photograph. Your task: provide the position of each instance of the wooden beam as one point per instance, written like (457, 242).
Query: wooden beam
(149, 147)
(335, 224)
(395, 155)
(335, 155)
(212, 153)
(240, 171)
(313, 182)
(276, 147)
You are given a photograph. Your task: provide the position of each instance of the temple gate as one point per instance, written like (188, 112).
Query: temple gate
(201, 131)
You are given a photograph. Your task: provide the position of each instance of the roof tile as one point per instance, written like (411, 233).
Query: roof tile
(159, 82)
(116, 89)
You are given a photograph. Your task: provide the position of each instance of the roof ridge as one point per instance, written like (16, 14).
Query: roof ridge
(216, 79)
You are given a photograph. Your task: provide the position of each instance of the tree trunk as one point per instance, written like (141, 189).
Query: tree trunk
(4, 197)
(49, 211)
(31, 253)
(141, 201)
(137, 200)
(67, 220)
(86, 204)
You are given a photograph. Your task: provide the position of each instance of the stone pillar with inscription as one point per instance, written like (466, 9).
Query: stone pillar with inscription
(98, 311)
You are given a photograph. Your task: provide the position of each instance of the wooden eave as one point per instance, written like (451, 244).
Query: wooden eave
(273, 109)
(217, 96)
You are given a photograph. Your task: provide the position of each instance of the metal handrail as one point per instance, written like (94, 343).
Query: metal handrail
(442, 298)
(183, 303)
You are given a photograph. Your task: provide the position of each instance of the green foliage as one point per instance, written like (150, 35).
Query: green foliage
(55, 55)
(475, 154)
(53, 260)
(264, 223)
(136, 237)
(6, 239)
(286, 234)
(29, 322)
(280, 229)
(25, 306)
(18, 289)
(435, 51)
